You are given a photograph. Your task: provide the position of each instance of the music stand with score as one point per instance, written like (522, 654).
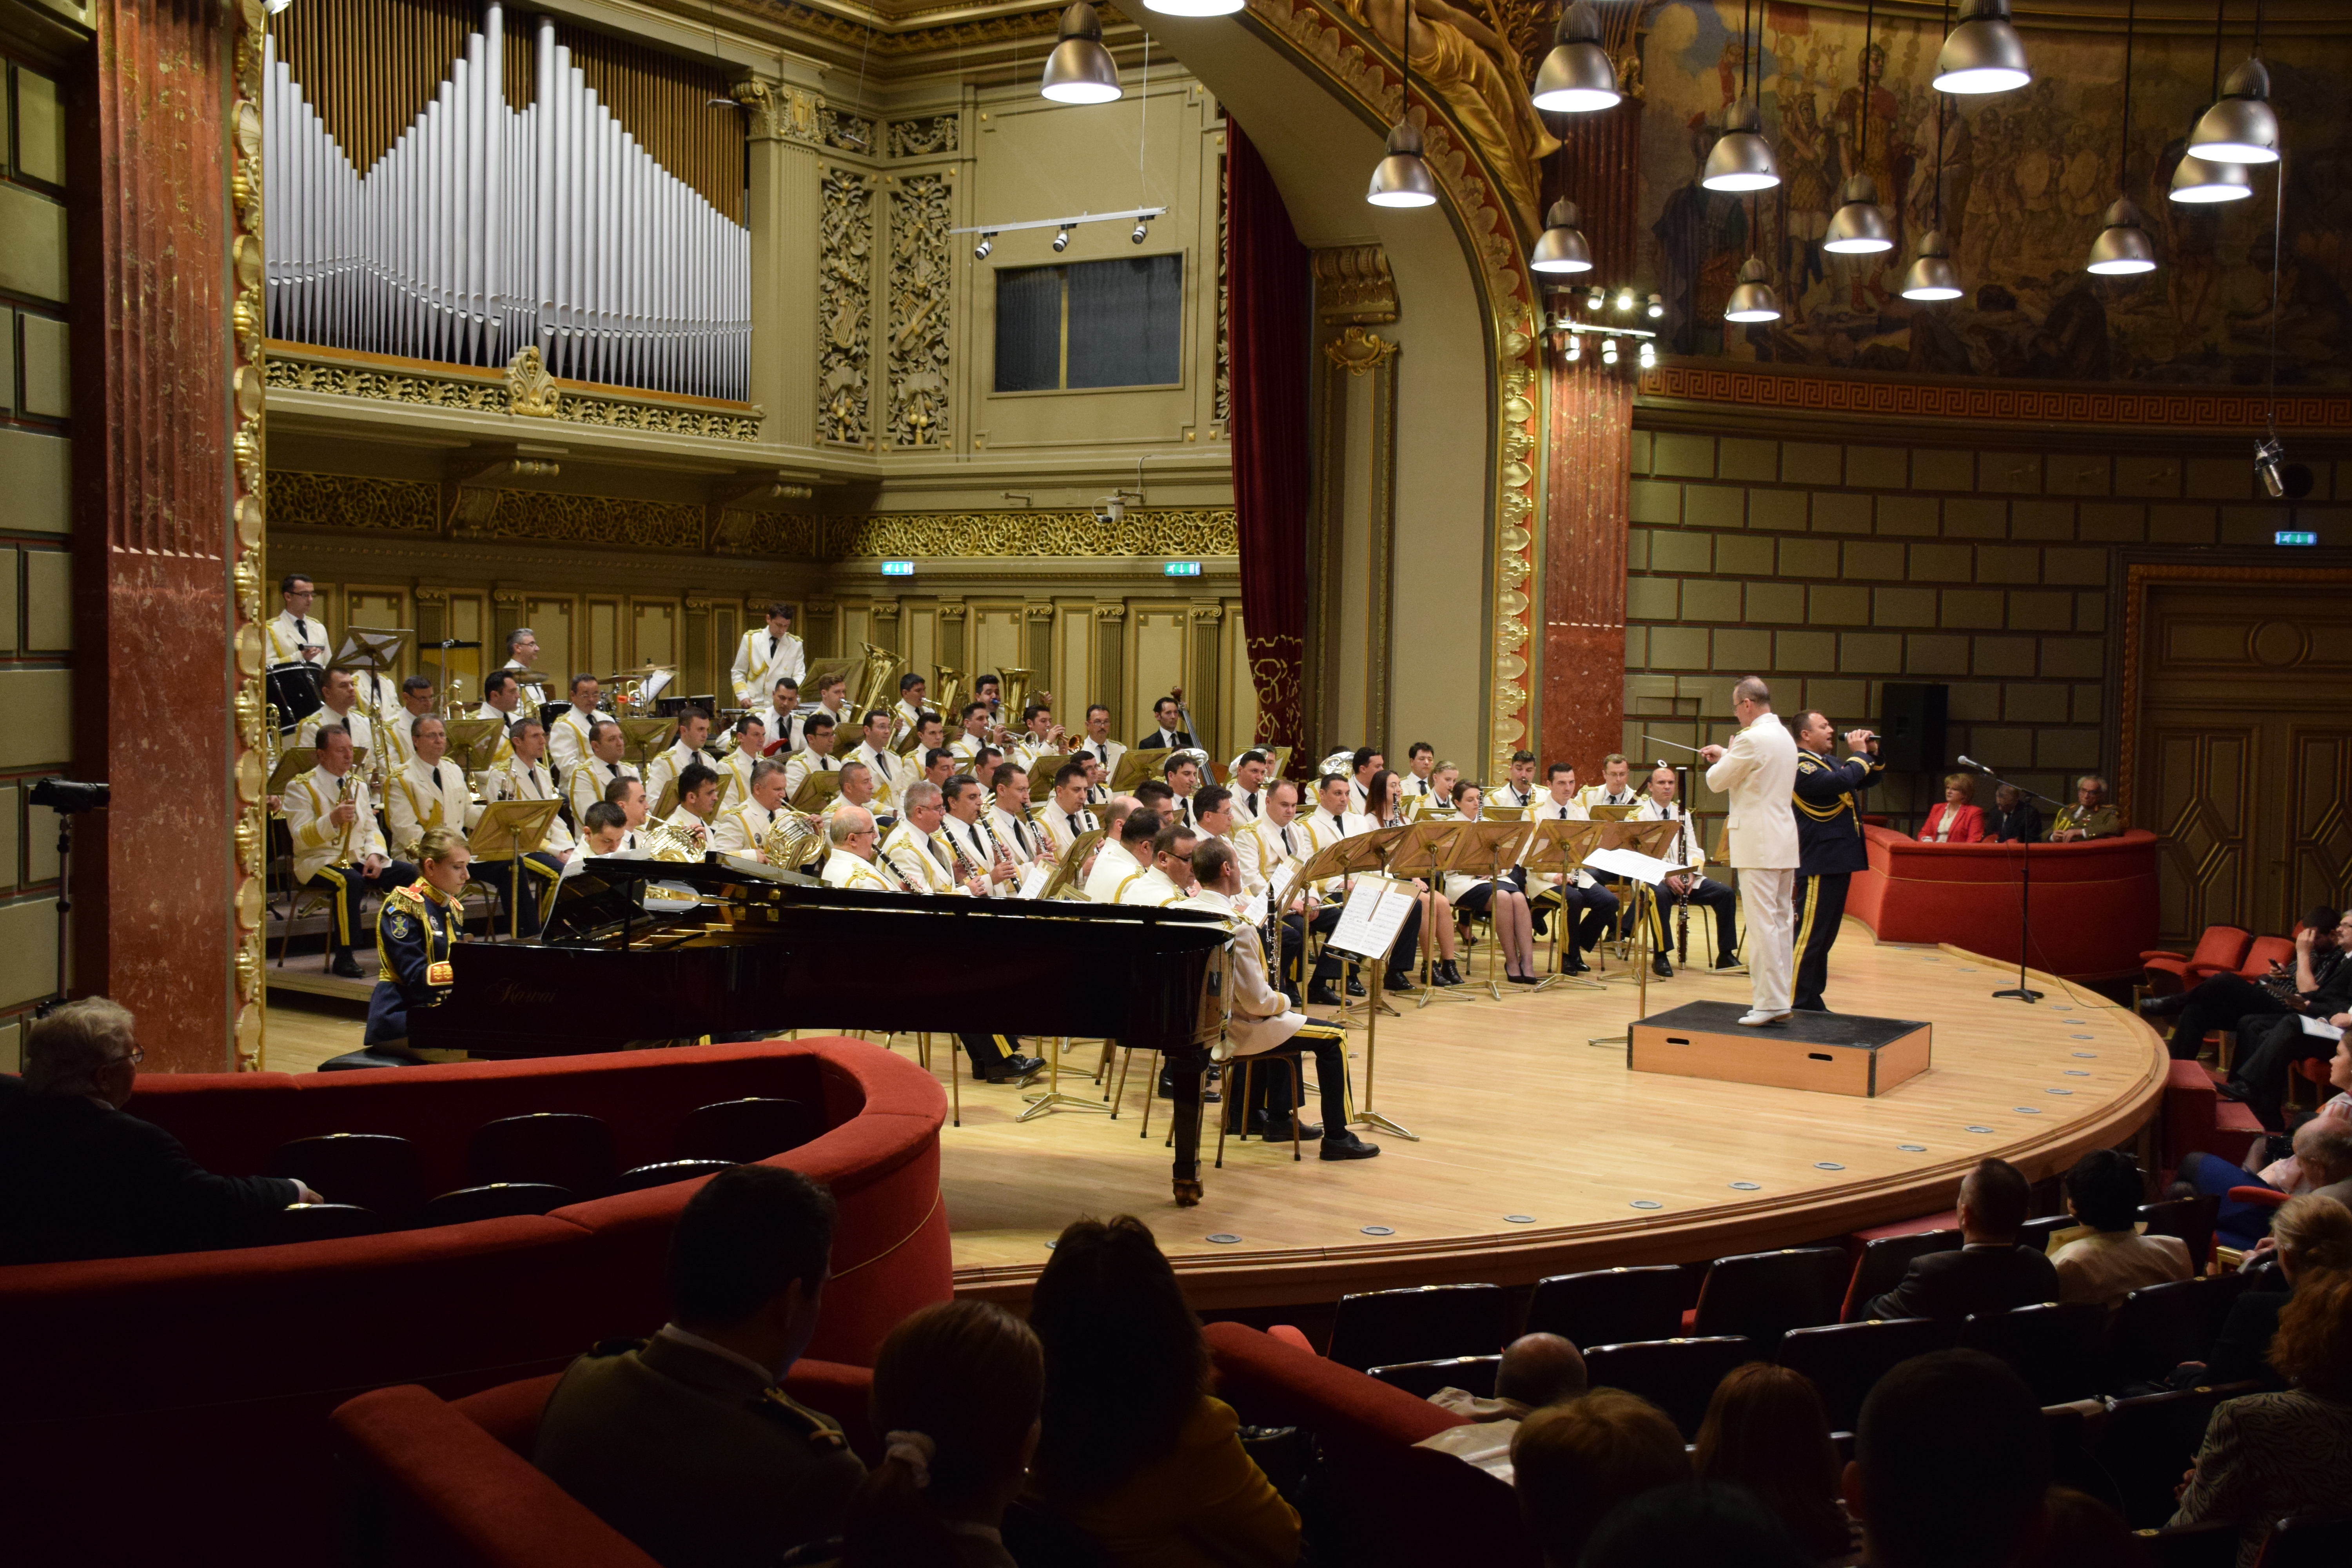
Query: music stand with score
(1558, 849)
(1485, 850)
(370, 651)
(507, 831)
(475, 740)
(1630, 850)
(1422, 851)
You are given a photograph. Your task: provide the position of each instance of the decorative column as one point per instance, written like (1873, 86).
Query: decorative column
(780, 207)
(167, 402)
(1589, 429)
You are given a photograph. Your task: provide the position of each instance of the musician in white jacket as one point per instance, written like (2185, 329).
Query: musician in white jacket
(1758, 772)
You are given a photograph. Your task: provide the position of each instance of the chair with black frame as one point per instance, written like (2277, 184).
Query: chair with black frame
(2066, 1428)
(2192, 1546)
(1677, 1375)
(2307, 1542)
(2036, 1232)
(743, 1132)
(1845, 1360)
(494, 1200)
(2190, 1219)
(663, 1172)
(321, 1222)
(1421, 1323)
(2157, 1327)
(2147, 1442)
(2053, 1346)
(373, 1170)
(1763, 1295)
(1884, 1262)
(558, 1148)
(1610, 1305)
(1471, 1373)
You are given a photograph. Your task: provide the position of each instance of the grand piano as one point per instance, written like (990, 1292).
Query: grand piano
(642, 953)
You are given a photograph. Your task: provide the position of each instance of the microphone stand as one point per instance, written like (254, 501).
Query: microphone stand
(2021, 991)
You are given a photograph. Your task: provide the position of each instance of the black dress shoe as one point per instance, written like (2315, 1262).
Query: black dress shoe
(1012, 1069)
(2164, 1006)
(2229, 1090)
(1399, 980)
(1662, 966)
(1569, 963)
(1727, 961)
(1323, 993)
(1356, 987)
(1445, 973)
(1346, 1145)
(344, 965)
(1523, 979)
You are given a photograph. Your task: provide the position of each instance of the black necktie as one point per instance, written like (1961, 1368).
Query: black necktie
(302, 628)
(1020, 835)
(1073, 821)
(1287, 846)
(1252, 798)
(436, 776)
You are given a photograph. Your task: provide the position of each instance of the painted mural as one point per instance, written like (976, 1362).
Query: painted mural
(2018, 179)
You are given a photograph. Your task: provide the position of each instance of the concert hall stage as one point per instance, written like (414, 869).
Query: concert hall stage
(1518, 1116)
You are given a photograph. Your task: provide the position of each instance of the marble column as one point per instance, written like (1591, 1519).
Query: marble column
(1588, 431)
(157, 482)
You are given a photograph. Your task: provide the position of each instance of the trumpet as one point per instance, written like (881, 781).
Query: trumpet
(343, 798)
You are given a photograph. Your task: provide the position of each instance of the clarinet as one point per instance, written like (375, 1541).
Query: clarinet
(1682, 900)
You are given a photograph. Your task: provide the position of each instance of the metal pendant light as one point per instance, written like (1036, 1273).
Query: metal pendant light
(2122, 248)
(1741, 160)
(1983, 54)
(1194, 7)
(1858, 228)
(1932, 277)
(1401, 179)
(2242, 128)
(1561, 248)
(1577, 76)
(1753, 300)
(2198, 181)
(1080, 70)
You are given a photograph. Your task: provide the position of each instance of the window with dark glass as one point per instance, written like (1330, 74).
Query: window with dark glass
(1091, 324)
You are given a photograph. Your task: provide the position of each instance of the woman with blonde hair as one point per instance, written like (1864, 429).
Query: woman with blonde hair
(2307, 1234)
(957, 1391)
(1956, 818)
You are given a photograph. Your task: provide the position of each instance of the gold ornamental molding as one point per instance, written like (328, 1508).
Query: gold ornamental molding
(249, 360)
(934, 535)
(519, 390)
(1797, 392)
(1359, 353)
(345, 501)
(1352, 283)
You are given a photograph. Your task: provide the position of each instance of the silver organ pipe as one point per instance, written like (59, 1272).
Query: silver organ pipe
(484, 229)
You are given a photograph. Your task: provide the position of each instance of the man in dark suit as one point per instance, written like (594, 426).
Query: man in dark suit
(1830, 847)
(1170, 712)
(1990, 1273)
(80, 1179)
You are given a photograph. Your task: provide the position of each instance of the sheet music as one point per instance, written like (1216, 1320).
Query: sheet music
(1253, 909)
(1034, 879)
(1632, 863)
(1372, 917)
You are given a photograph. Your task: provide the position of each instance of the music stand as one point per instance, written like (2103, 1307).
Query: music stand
(446, 684)
(1387, 902)
(1483, 849)
(507, 831)
(1350, 857)
(645, 738)
(1644, 839)
(374, 652)
(1136, 767)
(475, 740)
(1557, 848)
(1066, 870)
(817, 790)
(1042, 772)
(1420, 851)
(293, 762)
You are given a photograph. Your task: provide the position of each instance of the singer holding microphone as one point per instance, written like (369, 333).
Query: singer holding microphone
(1758, 772)
(1830, 847)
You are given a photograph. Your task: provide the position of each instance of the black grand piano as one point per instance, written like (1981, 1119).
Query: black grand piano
(642, 951)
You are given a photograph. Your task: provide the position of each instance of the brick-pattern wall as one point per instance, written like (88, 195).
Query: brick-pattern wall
(35, 586)
(1832, 568)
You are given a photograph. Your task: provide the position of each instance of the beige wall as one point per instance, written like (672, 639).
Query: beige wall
(35, 570)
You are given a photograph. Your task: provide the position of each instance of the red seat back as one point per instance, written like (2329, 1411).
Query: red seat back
(2222, 947)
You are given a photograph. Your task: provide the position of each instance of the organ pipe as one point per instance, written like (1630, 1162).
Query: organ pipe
(478, 228)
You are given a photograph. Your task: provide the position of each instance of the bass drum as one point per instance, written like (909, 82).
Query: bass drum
(294, 692)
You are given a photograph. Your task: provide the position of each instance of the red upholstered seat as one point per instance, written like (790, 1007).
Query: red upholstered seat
(1389, 1502)
(2219, 949)
(2196, 1118)
(510, 1412)
(2267, 951)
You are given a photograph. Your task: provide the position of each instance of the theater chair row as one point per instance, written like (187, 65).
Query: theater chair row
(529, 1165)
(2220, 950)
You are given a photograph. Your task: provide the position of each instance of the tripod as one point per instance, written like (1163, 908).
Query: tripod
(2020, 991)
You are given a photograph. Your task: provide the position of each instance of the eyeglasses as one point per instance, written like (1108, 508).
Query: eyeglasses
(134, 1058)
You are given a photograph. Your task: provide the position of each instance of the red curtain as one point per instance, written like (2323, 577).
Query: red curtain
(1269, 296)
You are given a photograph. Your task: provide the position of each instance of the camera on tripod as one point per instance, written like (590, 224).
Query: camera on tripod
(69, 796)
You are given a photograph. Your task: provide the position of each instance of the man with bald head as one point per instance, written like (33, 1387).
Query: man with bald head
(1536, 1370)
(851, 864)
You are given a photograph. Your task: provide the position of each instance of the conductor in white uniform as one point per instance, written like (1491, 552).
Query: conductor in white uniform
(1758, 771)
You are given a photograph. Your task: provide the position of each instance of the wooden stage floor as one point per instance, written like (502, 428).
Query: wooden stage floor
(1518, 1116)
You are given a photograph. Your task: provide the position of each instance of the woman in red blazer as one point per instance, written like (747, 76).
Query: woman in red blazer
(1955, 819)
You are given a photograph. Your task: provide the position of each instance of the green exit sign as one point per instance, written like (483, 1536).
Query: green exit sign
(1180, 569)
(2294, 536)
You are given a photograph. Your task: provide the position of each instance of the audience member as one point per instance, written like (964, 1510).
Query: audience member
(1134, 1450)
(685, 1443)
(1950, 1464)
(2014, 817)
(1766, 1431)
(2268, 1048)
(1694, 1525)
(80, 1178)
(2083, 1532)
(1956, 818)
(1990, 1273)
(1536, 1370)
(957, 1391)
(1573, 1463)
(2104, 1192)
(2269, 1456)
(2225, 1001)
(2322, 1161)
(2307, 1234)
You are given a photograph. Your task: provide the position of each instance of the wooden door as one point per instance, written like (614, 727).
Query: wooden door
(2242, 749)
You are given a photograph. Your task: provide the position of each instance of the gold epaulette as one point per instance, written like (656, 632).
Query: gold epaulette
(773, 1403)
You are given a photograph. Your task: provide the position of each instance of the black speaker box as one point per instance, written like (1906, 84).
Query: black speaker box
(1911, 725)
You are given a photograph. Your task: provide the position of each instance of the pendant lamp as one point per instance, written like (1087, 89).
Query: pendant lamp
(1858, 228)
(1080, 70)
(1577, 76)
(1740, 160)
(2122, 248)
(2196, 180)
(1753, 300)
(1401, 179)
(1194, 7)
(1562, 248)
(2241, 128)
(1932, 275)
(1983, 54)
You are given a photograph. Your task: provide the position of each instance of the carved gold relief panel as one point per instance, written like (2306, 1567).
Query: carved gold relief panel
(922, 210)
(845, 308)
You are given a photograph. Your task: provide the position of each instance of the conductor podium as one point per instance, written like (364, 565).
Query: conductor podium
(1837, 1053)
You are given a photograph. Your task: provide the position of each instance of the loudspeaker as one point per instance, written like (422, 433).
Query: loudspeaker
(1911, 725)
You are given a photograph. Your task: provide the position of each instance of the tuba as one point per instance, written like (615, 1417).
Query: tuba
(947, 698)
(792, 841)
(1013, 692)
(876, 690)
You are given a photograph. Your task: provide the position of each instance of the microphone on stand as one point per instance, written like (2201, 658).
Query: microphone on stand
(1967, 762)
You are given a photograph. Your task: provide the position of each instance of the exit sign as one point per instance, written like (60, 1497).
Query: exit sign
(2294, 536)
(898, 568)
(1181, 569)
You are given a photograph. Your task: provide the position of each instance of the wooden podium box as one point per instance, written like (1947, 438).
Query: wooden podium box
(1838, 1053)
